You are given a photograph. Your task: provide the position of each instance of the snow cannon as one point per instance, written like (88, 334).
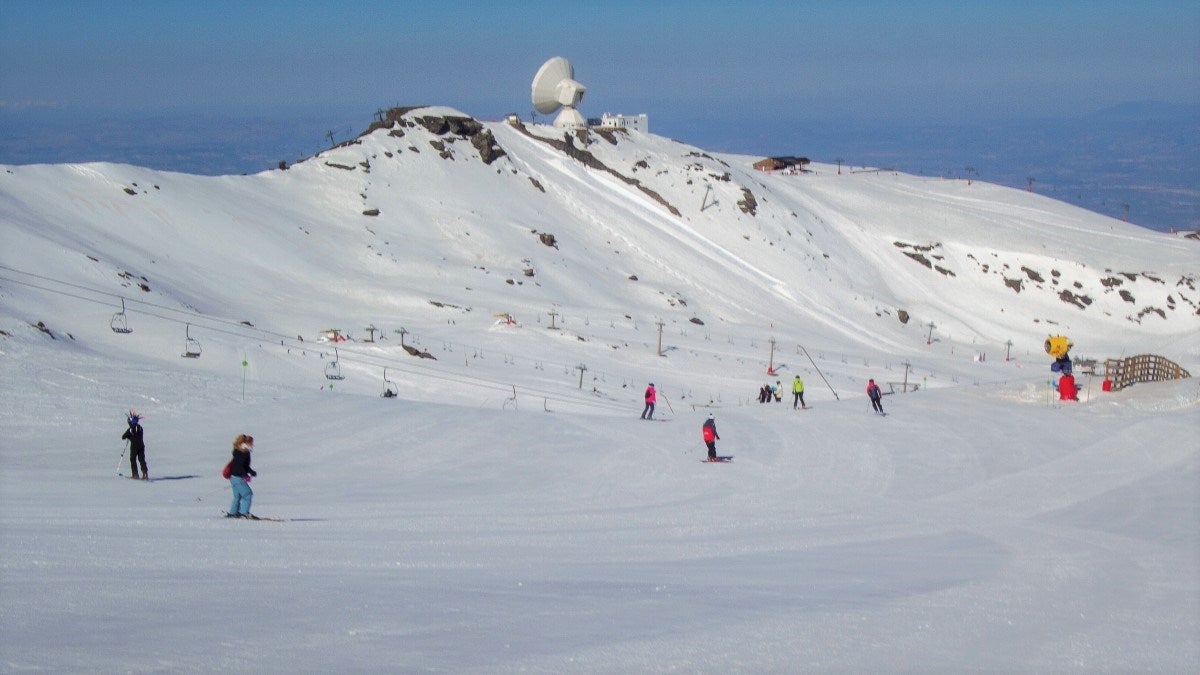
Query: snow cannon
(1058, 346)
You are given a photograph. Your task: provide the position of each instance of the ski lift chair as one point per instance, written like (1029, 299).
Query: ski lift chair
(119, 323)
(333, 370)
(390, 390)
(191, 346)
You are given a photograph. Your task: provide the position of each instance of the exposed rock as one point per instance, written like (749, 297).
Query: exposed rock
(1080, 301)
(748, 204)
(417, 352)
(608, 134)
(485, 143)
(589, 160)
(919, 258)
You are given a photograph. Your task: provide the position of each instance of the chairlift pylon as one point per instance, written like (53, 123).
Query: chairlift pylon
(191, 346)
(333, 370)
(119, 323)
(390, 390)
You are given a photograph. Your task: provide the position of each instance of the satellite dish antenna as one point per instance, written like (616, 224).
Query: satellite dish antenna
(554, 87)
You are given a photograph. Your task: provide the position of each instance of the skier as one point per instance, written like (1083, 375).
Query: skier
(777, 391)
(709, 433)
(798, 392)
(875, 395)
(651, 398)
(137, 446)
(239, 473)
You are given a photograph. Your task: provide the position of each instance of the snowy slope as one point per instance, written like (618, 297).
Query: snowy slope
(508, 511)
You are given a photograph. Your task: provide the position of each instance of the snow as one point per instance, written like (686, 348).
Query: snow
(509, 511)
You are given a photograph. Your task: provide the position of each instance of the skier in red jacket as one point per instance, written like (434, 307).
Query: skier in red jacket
(875, 395)
(709, 433)
(651, 398)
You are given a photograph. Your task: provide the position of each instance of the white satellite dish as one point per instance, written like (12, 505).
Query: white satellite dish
(554, 87)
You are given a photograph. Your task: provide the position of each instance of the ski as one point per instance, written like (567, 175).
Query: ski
(719, 459)
(271, 519)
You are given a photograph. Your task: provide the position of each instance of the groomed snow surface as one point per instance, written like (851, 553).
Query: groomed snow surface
(973, 528)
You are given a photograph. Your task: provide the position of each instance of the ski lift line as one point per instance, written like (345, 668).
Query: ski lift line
(132, 300)
(195, 315)
(272, 333)
(364, 358)
(258, 330)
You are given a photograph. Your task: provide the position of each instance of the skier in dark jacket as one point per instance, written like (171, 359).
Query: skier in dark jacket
(137, 446)
(239, 478)
(875, 395)
(709, 433)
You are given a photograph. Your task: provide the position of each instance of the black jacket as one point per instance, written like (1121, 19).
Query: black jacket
(241, 464)
(134, 435)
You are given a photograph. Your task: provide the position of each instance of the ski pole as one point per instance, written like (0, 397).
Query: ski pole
(665, 400)
(208, 494)
(121, 461)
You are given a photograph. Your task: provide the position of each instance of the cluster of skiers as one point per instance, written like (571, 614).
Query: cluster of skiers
(768, 392)
(774, 392)
(238, 471)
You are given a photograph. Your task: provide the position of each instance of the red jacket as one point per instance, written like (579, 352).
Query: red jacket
(873, 391)
(710, 431)
(651, 396)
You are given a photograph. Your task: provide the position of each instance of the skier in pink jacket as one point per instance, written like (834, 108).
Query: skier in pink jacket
(651, 398)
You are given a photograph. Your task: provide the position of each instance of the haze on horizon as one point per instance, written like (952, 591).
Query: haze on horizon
(1011, 90)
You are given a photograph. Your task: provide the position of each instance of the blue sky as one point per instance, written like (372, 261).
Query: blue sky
(865, 60)
(213, 86)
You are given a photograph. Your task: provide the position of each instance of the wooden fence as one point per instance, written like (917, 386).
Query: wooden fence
(1141, 368)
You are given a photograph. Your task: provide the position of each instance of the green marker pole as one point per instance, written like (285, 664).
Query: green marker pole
(244, 364)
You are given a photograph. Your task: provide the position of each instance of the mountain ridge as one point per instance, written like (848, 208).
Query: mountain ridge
(436, 213)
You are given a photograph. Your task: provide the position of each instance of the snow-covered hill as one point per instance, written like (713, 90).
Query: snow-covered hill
(644, 230)
(508, 511)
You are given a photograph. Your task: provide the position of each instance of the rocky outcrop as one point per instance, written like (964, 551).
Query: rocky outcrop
(396, 119)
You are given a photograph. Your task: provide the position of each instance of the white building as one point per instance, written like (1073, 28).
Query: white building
(632, 122)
